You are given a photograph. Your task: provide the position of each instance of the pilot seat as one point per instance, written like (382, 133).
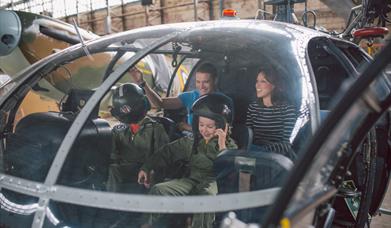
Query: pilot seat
(31, 149)
(243, 136)
(243, 171)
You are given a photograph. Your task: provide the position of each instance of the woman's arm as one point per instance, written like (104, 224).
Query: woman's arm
(290, 118)
(249, 120)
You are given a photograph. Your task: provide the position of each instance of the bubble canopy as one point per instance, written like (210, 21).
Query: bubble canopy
(237, 49)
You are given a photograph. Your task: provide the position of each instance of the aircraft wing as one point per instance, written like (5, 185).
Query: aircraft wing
(33, 37)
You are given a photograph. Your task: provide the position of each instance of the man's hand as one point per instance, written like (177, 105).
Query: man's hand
(143, 178)
(136, 75)
(183, 126)
(222, 137)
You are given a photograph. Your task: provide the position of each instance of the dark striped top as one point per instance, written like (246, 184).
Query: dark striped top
(272, 126)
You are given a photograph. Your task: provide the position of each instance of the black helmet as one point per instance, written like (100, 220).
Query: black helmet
(215, 106)
(130, 105)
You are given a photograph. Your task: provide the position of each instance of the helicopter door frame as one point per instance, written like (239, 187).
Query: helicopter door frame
(333, 49)
(280, 210)
(173, 75)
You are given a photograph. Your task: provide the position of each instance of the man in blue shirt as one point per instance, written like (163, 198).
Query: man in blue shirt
(205, 75)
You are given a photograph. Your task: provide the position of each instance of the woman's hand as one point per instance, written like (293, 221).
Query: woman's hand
(136, 75)
(143, 178)
(222, 137)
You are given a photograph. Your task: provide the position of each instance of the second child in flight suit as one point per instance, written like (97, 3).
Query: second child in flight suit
(135, 139)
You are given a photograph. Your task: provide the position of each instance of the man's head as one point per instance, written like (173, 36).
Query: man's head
(130, 105)
(206, 76)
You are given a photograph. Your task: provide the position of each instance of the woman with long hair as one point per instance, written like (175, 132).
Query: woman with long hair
(271, 116)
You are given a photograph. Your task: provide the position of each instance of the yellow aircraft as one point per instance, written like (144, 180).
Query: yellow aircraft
(27, 38)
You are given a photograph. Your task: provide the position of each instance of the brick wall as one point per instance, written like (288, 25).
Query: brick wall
(133, 15)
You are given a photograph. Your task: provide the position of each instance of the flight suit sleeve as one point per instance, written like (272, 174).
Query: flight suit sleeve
(161, 137)
(118, 134)
(202, 163)
(169, 154)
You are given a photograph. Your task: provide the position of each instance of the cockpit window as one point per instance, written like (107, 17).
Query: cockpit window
(328, 70)
(84, 140)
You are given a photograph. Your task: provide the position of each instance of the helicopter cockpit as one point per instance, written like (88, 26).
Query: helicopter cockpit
(55, 155)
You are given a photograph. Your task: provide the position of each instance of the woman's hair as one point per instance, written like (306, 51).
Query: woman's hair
(279, 93)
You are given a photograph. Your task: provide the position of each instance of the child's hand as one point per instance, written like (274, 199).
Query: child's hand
(143, 178)
(222, 137)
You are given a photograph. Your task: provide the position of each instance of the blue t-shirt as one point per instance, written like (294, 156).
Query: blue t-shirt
(188, 99)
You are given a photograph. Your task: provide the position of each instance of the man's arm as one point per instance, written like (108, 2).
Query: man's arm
(154, 98)
(165, 103)
(183, 126)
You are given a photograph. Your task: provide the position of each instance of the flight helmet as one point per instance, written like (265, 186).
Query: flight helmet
(130, 105)
(215, 106)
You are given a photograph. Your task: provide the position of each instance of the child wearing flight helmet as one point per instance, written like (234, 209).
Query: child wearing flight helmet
(212, 116)
(134, 140)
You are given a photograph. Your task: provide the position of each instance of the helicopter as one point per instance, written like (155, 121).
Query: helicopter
(63, 183)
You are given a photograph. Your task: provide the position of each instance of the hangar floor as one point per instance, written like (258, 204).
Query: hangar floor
(384, 221)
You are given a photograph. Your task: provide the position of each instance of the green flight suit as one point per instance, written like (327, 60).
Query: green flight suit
(200, 179)
(131, 151)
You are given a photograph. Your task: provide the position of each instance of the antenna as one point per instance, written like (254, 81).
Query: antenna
(263, 14)
(85, 49)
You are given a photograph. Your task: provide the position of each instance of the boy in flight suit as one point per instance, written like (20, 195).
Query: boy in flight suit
(212, 116)
(135, 139)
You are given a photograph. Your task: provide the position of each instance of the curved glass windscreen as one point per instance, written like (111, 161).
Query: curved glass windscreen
(112, 125)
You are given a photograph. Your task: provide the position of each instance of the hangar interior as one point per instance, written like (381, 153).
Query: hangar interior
(105, 17)
(110, 16)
